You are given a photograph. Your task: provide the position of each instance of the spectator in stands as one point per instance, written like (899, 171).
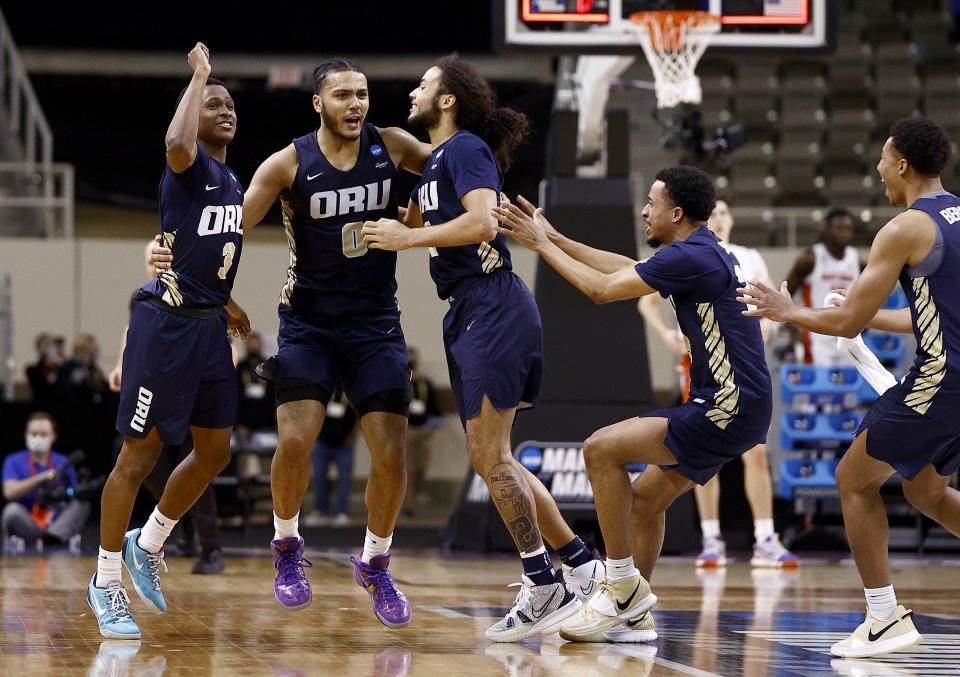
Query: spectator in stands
(43, 373)
(830, 263)
(256, 408)
(84, 407)
(334, 445)
(31, 475)
(424, 418)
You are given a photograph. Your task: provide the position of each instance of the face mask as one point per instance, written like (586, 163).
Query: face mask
(39, 444)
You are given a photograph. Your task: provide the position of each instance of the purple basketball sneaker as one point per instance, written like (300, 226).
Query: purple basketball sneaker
(389, 604)
(291, 585)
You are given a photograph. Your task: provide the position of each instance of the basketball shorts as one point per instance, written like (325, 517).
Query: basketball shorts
(701, 447)
(494, 343)
(365, 356)
(909, 441)
(177, 372)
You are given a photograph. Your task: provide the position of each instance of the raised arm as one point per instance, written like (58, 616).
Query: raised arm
(406, 151)
(182, 133)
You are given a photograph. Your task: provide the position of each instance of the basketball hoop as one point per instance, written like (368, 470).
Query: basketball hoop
(673, 42)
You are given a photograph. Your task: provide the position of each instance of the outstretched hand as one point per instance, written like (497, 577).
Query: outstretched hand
(523, 222)
(766, 302)
(199, 58)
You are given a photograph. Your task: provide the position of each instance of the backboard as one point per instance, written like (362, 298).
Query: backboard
(601, 26)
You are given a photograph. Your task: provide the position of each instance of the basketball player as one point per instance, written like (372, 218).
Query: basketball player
(492, 332)
(339, 322)
(829, 264)
(177, 366)
(913, 428)
(729, 408)
(757, 483)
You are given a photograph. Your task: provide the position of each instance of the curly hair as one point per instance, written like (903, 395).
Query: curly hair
(503, 129)
(691, 190)
(337, 65)
(923, 143)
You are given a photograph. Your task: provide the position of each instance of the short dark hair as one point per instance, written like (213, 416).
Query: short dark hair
(40, 416)
(835, 212)
(210, 81)
(923, 143)
(337, 65)
(690, 189)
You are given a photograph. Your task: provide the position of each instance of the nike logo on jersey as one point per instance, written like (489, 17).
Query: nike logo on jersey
(433, 166)
(212, 187)
(470, 325)
(311, 177)
(874, 637)
(626, 605)
(390, 331)
(538, 613)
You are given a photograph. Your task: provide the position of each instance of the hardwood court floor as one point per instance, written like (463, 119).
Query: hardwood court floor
(728, 622)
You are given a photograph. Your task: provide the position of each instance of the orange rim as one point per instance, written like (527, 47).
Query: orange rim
(680, 21)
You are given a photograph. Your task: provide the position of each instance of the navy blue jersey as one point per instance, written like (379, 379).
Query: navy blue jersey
(932, 386)
(201, 222)
(460, 164)
(331, 270)
(728, 370)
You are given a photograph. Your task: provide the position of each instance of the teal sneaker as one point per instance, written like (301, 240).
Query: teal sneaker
(144, 569)
(110, 606)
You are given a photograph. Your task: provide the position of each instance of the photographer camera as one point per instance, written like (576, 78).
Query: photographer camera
(40, 486)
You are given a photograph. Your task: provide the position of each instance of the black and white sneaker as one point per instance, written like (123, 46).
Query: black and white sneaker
(537, 610)
(584, 580)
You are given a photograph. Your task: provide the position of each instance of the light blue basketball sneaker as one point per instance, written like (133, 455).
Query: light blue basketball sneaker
(110, 606)
(144, 569)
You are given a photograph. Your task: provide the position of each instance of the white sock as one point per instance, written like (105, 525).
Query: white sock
(882, 602)
(155, 531)
(620, 568)
(710, 528)
(108, 568)
(374, 545)
(286, 528)
(762, 529)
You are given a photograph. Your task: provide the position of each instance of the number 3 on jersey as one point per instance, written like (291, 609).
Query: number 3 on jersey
(228, 251)
(352, 240)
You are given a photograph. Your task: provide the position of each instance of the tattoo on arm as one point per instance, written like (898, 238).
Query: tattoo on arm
(510, 495)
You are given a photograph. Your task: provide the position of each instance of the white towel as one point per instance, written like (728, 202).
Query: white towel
(863, 358)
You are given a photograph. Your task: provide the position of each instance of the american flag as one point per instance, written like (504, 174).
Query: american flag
(783, 7)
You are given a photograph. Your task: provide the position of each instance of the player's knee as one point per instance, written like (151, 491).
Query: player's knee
(389, 457)
(594, 450)
(923, 500)
(756, 458)
(294, 440)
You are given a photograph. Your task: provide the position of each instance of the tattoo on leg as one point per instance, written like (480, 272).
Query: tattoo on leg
(507, 490)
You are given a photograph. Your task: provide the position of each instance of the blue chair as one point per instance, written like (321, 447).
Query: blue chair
(807, 384)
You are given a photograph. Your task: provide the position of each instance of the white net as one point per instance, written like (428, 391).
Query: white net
(673, 43)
